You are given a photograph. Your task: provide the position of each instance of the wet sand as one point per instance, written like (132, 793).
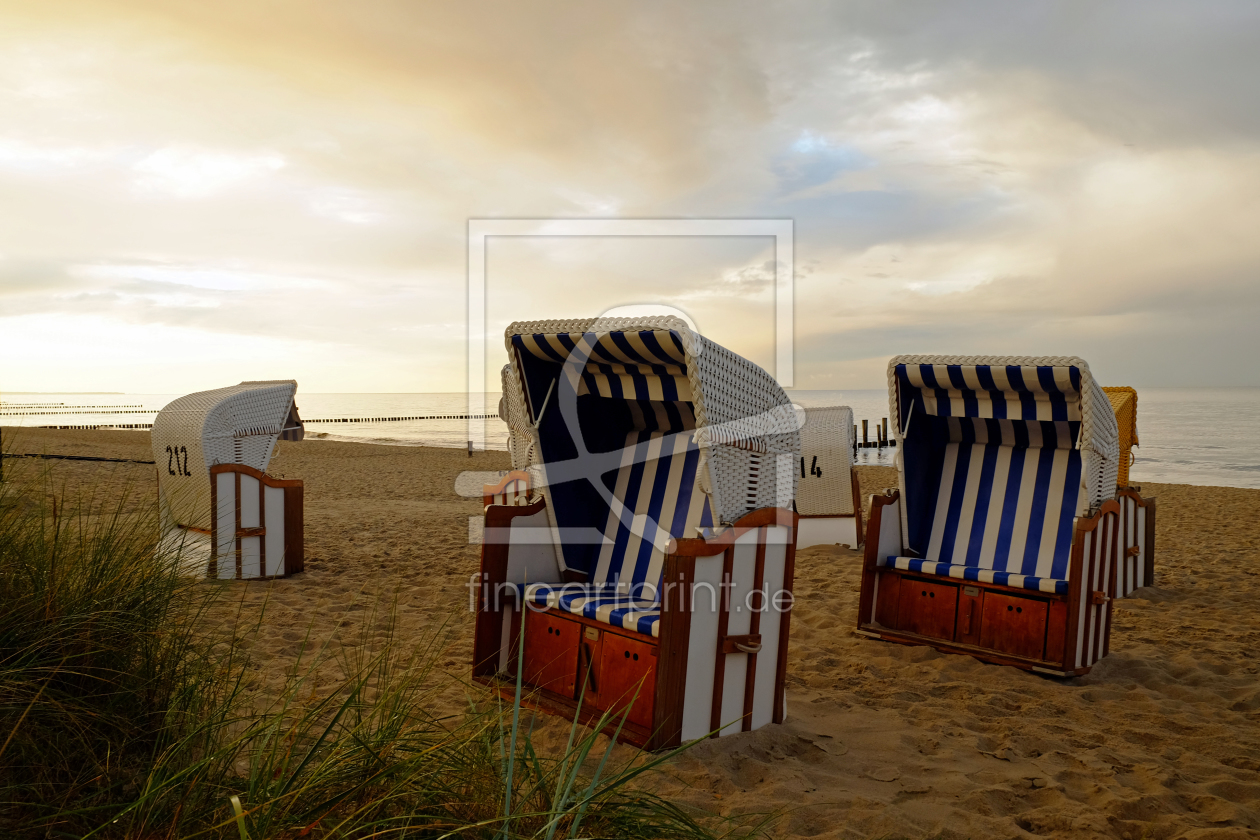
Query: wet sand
(1160, 740)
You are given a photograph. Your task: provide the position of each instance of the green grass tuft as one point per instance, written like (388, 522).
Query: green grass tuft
(124, 714)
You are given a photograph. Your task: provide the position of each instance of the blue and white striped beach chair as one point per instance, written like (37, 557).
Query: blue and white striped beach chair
(1001, 540)
(643, 577)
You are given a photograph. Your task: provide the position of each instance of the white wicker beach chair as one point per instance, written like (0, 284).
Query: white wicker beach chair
(653, 573)
(1137, 514)
(221, 514)
(827, 499)
(1002, 540)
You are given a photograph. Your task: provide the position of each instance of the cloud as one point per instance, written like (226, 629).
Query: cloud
(197, 173)
(1024, 177)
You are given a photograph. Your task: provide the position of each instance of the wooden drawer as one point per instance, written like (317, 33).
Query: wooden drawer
(627, 675)
(551, 651)
(888, 599)
(1014, 625)
(928, 609)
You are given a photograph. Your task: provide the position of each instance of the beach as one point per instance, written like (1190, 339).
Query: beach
(1161, 739)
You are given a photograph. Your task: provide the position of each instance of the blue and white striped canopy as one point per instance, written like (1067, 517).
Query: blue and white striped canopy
(1015, 392)
(635, 364)
(995, 466)
(648, 374)
(1024, 434)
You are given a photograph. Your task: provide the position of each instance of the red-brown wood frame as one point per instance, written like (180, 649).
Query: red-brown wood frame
(489, 491)
(294, 520)
(674, 628)
(1064, 622)
(1148, 558)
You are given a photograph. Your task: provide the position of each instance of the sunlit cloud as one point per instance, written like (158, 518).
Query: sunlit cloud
(30, 158)
(1007, 179)
(346, 205)
(196, 173)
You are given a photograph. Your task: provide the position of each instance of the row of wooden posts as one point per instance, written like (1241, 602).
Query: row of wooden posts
(881, 436)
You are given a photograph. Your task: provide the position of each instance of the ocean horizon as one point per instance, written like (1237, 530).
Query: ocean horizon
(1200, 436)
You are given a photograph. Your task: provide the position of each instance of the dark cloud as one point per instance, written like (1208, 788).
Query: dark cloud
(1151, 72)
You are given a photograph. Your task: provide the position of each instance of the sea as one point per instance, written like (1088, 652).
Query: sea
(1204, 436)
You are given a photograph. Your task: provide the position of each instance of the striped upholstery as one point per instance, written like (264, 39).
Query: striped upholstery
(624, 611)
(645, 347)
(644, 365)
(643, 382)
(1021, 434)
(912, 564)
(654, 497)
(1014, 392)
(1004, 513)
(661, 416)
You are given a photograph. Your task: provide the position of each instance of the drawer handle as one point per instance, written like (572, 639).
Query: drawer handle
(753, 648)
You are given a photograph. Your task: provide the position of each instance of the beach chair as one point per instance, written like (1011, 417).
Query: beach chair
(221, 514)
(1123, 401)
(1001, 541)
(1137, 515)
(652, 575)
(827, 498)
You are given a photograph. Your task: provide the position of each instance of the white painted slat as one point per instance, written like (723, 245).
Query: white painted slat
(702, 648)
(739, 622)
(250, 501)
(274, 516)
(225, 525)
(1082, 612)
(251, 556)
(771, 623)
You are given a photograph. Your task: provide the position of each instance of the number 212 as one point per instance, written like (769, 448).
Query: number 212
(173, 466)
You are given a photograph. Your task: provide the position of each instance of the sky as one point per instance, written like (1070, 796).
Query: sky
(194, 194)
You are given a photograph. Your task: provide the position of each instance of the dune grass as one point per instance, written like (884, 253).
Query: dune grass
(124, 714)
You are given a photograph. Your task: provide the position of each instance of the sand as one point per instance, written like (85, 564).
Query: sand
(1161, 739)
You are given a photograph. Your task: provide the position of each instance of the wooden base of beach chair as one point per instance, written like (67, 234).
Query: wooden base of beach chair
(717, 666)
(1057, 634)
(258, 531)
(1137, 542)
(611, 670)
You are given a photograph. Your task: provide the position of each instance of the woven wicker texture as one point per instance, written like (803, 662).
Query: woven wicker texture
(521, 434)
(1099, 436)
(827, 462)
(746, 427)
(236, 425)
(1124, 404)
